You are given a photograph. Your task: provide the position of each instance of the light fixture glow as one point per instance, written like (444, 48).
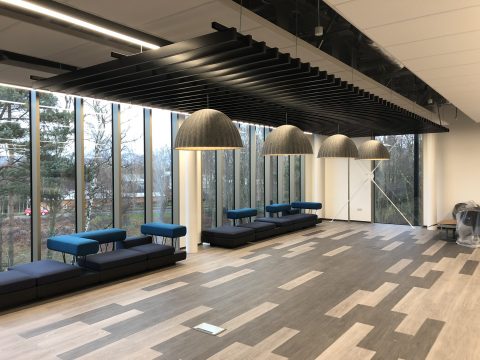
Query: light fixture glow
(81, 23)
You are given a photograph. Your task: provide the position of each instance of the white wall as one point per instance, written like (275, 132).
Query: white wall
(315, 175)
(458, 162)
(337, 184)
(360, 187)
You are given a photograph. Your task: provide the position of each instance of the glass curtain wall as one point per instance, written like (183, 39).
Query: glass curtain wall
(285, 174)
(15, 226)
(228, 183)
(274, 179)
(260, 171)
(98, 202)
(245, 197)
(133, 168)
(400, 179)
(162, 166)
(297, 178)
(57, 167)
(209, 189)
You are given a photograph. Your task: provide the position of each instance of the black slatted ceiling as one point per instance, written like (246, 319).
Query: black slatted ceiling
(246, 80)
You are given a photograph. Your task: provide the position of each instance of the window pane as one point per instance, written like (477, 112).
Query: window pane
(57, 167)
(260, 171)
(15, 227)
(162, 165)
(98, 211)
(274, 179)
(396, 178)
(245, 197)
(286, 180)
(228, 184)
(209, 189)
(132, 158)
(297, 171)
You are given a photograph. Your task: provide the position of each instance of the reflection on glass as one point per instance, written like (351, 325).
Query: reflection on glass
(57, 167)
(286, 180)
(397, 179)
(244, 185)
(98, 202)
(132, 158)
(209, 189)
(15, 227)
(228, 184)
(162, 165)
(297, 171)
(260, 171)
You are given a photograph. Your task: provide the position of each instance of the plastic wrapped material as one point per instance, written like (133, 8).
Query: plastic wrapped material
(468, 227)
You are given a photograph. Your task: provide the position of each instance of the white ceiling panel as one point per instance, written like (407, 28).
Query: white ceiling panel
(34, 40)
(197, 21)
(438, 40)
(135, 13)
(438, 46)
(444, 60)
(393, 11)
(427, 27)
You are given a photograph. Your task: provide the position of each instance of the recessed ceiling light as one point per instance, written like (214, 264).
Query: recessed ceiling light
(81, 23)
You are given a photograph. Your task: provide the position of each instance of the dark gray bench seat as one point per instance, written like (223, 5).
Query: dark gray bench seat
(158, 255)
(263, 230)
(228, 236)
(115, 264)
(290, 223)
(16, 288)
(53, 277)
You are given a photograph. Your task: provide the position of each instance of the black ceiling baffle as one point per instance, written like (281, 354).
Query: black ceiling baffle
(246, 80)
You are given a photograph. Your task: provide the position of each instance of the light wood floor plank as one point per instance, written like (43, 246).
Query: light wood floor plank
(227, 278)
(300, 280)
(399, 266)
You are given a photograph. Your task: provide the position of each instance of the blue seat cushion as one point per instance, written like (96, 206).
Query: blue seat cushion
(73, 245)
(306, 205)
(104, 236)
(161, 229)
(112, 259)
(11, 281)
(48, 271)
(241, 213)
(276, 208)
(154, 250)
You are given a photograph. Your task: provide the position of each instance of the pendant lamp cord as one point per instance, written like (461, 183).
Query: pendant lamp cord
(296, 28)
(208, 102)
(241, 13)
(286, 117)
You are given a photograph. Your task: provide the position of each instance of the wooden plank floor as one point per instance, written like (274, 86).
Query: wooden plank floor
(340, 291)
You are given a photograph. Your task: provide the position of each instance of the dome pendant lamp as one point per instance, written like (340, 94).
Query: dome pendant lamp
(208, 129)
(338, 146)
(287, 140)
(373, 150)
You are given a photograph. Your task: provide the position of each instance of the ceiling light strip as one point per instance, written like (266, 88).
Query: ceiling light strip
(78, 22)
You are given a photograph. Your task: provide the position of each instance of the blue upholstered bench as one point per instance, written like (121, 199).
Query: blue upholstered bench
(104, 236)
(306, 205)
(277, 208)
(172, 231)
(73, 245)
(239, 214)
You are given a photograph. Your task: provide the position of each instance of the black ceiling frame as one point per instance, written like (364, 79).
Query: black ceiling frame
(246, 80)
